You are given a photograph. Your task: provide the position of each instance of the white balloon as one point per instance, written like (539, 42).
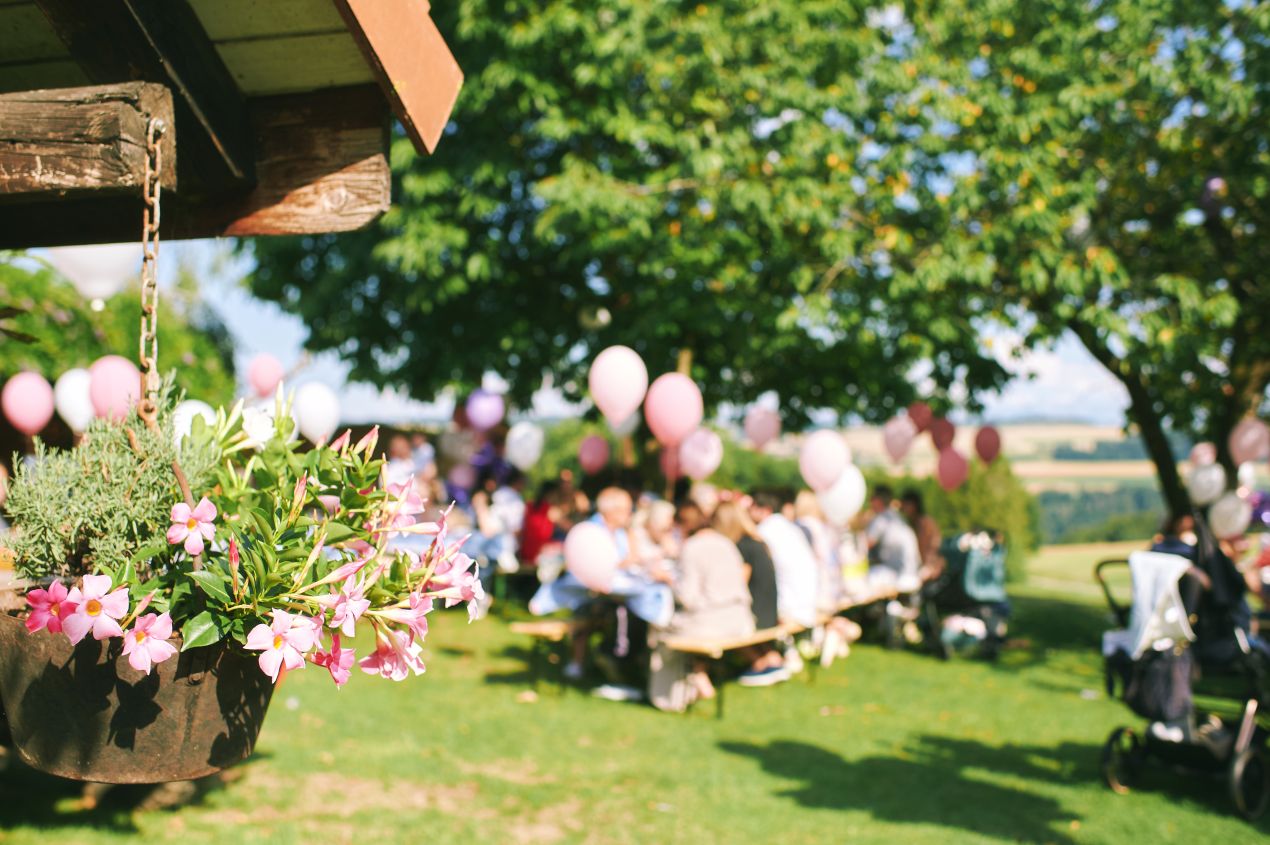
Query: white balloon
(845, 498)
(1230, 516)
(627, 426)
(99, 271)
(183, 417)
(317, 411)
(1246, 475)
(1206, 484)
(524, 445)
(72, 400)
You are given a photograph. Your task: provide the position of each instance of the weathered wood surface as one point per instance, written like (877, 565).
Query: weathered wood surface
(321, 168)
(415, 68)
(163, 41)
(72, 141)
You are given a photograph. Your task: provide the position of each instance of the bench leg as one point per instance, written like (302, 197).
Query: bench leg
(716, 678)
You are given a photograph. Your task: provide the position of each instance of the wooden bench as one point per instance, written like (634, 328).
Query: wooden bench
(547, 635)
(714, 648)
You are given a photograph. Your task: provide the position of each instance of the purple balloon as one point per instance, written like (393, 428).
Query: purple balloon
(484, 410)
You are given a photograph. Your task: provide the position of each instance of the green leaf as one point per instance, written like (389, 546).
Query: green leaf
(204, 629)
(213, 584)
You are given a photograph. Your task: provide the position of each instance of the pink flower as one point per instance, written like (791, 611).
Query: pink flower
(284, 641)
(48, 607)
(340, 443)
(192, 526)
(368, 442)
(396, 656)
(95, 610)
(147, 642)
(414, 617)
(346, 606)
(338, 661)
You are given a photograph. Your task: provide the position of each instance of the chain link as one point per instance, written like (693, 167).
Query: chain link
(148, 343)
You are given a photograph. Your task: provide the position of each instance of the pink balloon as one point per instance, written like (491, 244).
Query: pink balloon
(897, 436)
(669, 463)
(1249, 441)
(114, 386)
(591, 556)
(593, 453)
(1203, 454)
(484, 409)
(941, 433)
(27, 401)
(762, 426)
(953, 469)
(618, 381)
(823, 459)
(700, 454)
(263, 374)
(988, 444)
(673, 408)
(921, 415)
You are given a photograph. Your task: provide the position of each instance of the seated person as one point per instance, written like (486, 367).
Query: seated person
(797, 573)
(893, 552)
(928, 535)
(711, 595)
(766, 664)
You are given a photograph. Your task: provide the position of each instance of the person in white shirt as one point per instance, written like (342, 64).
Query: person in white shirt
(797, 573)
(892, 543)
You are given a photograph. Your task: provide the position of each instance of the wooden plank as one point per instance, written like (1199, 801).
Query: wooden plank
(47, 73)
(321, 169)
(414, 66)
(230, 20)
(25, 35)
(294, 65)
(67, 142)
(162, 41)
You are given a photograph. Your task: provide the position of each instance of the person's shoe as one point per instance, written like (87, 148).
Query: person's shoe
(572, 671)
(793, 661)
(764, 677)
(618, 692)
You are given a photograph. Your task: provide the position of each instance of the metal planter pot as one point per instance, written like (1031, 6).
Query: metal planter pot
(82, 712)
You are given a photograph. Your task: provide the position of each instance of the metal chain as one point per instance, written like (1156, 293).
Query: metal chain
(148, 344)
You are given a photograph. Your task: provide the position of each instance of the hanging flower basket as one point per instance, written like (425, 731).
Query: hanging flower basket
(83, 712)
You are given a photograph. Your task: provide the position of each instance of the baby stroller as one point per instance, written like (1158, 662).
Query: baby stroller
(966, 609)
(1179, 626)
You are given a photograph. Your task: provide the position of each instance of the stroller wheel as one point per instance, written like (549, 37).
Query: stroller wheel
(1122, 757)
(1250, 783)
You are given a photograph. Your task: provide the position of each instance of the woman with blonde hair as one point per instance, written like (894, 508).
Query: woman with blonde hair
(732, 521)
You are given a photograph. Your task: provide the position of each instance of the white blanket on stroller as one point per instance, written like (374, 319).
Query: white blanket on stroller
(1157, 618)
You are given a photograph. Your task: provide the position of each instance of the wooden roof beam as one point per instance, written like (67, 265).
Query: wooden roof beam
(162, 41)
(414, 66)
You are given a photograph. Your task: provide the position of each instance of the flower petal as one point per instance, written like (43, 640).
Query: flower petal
(178, 532)
(76, 627)
(139, 659)
(104, 628)
(270, 663)
(204, 511)
(260, 637)
(180, 512)
(159, 650)
(194, 543)
(115, 604)
(96, 586)
(161, 627)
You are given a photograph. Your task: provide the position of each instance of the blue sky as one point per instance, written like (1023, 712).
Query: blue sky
(1063, 383)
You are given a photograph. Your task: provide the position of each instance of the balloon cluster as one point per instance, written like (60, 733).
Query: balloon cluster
(108, 388)
(952, 468)
(673, 410)
(1231, 512)
(826, 466)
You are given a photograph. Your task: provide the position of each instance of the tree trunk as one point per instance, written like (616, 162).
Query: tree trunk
(1142, 411)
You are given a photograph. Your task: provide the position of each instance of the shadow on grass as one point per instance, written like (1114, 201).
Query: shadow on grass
(520, 677)
(34, 799)
(930, 784)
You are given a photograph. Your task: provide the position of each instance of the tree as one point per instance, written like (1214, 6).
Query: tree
(1104, 172)
(679, 177)
(64, 332)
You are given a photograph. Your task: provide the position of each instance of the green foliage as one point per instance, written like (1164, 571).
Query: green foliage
(104, 506)
(1124, 513)
(674, 176)
(68, 333)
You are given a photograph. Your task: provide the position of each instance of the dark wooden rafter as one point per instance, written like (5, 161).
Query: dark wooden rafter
(320, 168)
(162, 41)
(82, 141)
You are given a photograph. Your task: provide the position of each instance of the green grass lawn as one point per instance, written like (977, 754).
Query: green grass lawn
(883, 747)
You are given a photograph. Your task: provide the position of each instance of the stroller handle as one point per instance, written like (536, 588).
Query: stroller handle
(1121, 611)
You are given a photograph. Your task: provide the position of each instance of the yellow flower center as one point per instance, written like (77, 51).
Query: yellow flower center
(141, 635)
(55, 609)
(192, 523)
(92, 607)
(277, 641)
